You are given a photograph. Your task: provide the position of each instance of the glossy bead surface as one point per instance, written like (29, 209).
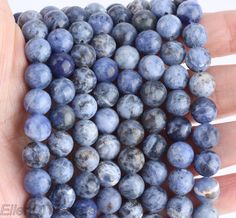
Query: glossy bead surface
(27, 16)
(138, 5)
(85, 208)
(205, 210)
(160, 7)
(119, 14)
(131, 209)
(93, 8)
(46, 9)
(75, 13)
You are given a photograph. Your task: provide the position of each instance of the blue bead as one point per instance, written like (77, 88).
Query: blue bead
(86, 159)
(109, 216)
(198, 59)
(93, 8)
(37, 182)
(27, 16)
(85, 132)
(101, 22)
(105, 69)
(37, 101)
(138, 5)
(119, 14)
(62, 90)
(206, 136)
(60, 40)
(62, 197)
(75, 14)
(172, 53)
(129, 82)
(46, 9)
(189, 12)
(86, 185)
(206, 211)
(131, 209)
(106, 120)
(61, 64)
(37, 50)
(84, 106)
(203, 110)
(61, 170)
(109, 201)
(16, 16)
(60, 143)
(181, 181)
(178, 2)
(180, 206)
(178, 103)
(36, 155)
(131, 186)
(62, 214)
(38, 75)
(37, 127)
(162, 7)
(151, 67)
(180, 155)
(114, 4)
(148, 42)
(152, 216)
(85, 208)
(207, 163)
(154, 172)
(154, 199)
(176, 77)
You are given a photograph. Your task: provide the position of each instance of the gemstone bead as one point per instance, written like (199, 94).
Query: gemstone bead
(162, 7)
(76, 13)
(27, 16)
(131, 209)
(85, 208)
(93, 8)
(205, 210)
(119, 14)
(62, 214)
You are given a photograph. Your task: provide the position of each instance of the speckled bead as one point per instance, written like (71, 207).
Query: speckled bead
(155, 215)
(109, 216)
(154, 199)
(138, 5)
(205, 210)
(119, 14)
(131, 209)
(75, 13)
(85, 208)
(131, 160)
(178, 2)
(160, 7)
(16, 16)
(62, 214)
(46, 9)
(86, 159)
(93, 8)
(27, 16)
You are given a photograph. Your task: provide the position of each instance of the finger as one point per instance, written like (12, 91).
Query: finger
(221, 28)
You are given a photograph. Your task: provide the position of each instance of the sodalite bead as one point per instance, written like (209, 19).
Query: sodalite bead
(189, 12)
(27, 16)
(129, 81)
(37, 50)
(108, 147)
(154, 146)
(144, 20)
(105, 69)
(205, 210)
(151, 67)
(178, 128)
(76, 13)
(202, 84)
(131, 186)
(172, 53)
(101, 22)
(130, 133)
(60, 40)
(38, 75)
(62, 117)
(154, 120)
(36, 155)
(181, 181)
(104, 45)
(106, 94)
(178, 2)
(119, 14)
(152, 216)
(114, 4)
(37, 127)
(61, 170)
(81, 31)
(153, 93)
(178, 103)
(179, 207)
(131, 160)
(61, 64)
(206, 136)
(84, 106)
(162, 7)
(124, 33)
(131, 209)
(86, 159)
(84, 55)
(106, 120)
(108, 173)
(60, 143)
(154, 199)
(62, 90)
(138, 5)
(85, 132)
(154, 172)
(34, 28)
(176, 77)
(207, 189)
(37, 182)
(84, 80)
(37, 101)
(126, 57)
(16, 16)
(109, 216)
(93, 8)
(207, 163)
(86, 185)
(62, 197)
(85, 208)
(148, 42)
(46, 9)
(62, 214)
(180, 155)
(39, 207)
(203, 110)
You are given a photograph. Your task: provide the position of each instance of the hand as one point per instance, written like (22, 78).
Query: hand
(222, 41)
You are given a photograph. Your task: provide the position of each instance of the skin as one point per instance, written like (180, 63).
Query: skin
(222, 41)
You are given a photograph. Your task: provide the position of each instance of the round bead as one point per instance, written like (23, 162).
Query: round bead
(16, 16)
(152, 216)
(46, 9)
(131, 209)
(205, 210)
(138, 5)
(75, 14)
(119, 14)
(85, 208)
(27, 16)
(62, 214)
(162, 7)
(93, 8)
(109, 216)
